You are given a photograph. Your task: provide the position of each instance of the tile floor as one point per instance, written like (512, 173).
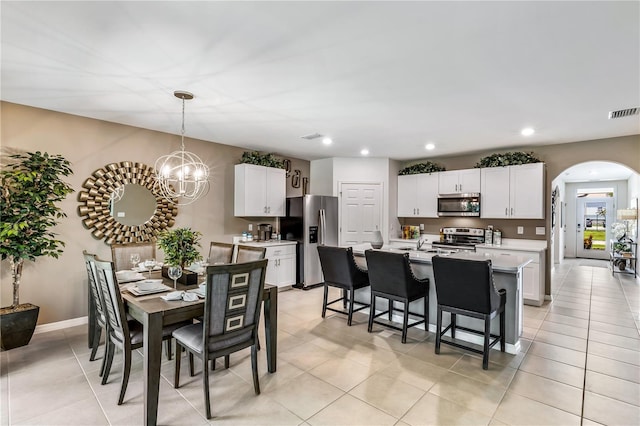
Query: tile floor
(580, 364)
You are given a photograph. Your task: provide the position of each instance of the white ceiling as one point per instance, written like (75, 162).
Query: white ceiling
(388, 76)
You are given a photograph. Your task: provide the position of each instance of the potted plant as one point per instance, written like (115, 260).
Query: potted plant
(425, 167)
(267, 160)
(507, 159)
(31, 186)
(180, 247)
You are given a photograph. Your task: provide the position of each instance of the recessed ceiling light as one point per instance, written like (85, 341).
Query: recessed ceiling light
(430, 146)
(365, 151)
(527, 131)
(327, 141)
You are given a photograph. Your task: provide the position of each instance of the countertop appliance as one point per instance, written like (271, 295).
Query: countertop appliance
(459, 204)
(460, 238)
(264, 232)
(311, 220)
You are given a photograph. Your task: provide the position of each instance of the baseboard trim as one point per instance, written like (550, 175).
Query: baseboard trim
(61, 325)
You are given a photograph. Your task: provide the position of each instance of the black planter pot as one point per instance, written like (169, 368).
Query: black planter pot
(17, 326)
(187, 278)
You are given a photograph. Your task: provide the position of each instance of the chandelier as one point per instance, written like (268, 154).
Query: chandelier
(182, 177)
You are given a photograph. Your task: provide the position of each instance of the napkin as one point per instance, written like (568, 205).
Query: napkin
(180, 295)
(174, 295)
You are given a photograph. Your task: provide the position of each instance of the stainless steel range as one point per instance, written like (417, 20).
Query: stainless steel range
(460, 238)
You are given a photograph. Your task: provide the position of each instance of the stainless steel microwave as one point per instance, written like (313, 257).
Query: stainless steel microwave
(459, 205)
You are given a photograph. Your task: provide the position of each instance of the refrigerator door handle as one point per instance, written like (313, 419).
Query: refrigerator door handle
(323, 227)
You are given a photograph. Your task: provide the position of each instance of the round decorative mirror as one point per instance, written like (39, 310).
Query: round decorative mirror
(121, 205)
(132, 204)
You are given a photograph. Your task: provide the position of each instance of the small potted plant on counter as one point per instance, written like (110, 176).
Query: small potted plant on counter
(180, 247)
(30, 186)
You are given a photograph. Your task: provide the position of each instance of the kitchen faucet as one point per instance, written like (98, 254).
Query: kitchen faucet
(420, 243)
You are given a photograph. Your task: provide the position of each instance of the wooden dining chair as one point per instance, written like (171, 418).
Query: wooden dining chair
(231, 316)
(250, 253)
(121, 253)
(97, 305)
(122, 333)
(220, 252)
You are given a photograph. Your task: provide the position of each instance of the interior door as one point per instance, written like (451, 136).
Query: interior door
(594, 217)
(360, 213)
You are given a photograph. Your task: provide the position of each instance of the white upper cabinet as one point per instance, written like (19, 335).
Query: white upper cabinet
(512, 192)
(259, 191)
(418, 195)
(459, 181)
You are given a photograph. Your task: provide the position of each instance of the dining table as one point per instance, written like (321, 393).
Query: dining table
(153, 313)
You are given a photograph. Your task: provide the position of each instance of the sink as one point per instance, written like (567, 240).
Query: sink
(427, 250)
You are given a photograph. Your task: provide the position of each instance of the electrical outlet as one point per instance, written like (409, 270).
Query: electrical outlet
(520, 230)
(540, 230)
(251, 227)
(422, 226)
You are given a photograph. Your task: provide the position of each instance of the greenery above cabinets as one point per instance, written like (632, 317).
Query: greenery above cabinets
(507, 159)
(427, 167)
(267, 160)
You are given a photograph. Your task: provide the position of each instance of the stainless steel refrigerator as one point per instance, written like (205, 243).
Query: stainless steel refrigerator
(310, 220)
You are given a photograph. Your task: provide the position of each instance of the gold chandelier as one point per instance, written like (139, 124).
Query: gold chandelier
(182, 177)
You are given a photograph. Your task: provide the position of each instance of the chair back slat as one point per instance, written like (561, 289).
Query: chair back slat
(250, 253)
(220, 252)
(232, 302)
(96, 294)
(121, 254)
(113, 303)
(465, 284)
(339, 267)
(389, 272)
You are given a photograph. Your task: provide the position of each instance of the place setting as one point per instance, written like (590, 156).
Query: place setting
(147, 286)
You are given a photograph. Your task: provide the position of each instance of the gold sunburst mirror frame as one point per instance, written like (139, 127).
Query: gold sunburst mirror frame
(95, 204)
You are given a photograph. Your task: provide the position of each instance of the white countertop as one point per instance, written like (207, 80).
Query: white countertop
(268, 243)
(507, 264)
(517, 245)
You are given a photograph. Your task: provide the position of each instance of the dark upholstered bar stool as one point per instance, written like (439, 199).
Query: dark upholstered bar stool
(340, 270)
(465, 287)
(391, 278)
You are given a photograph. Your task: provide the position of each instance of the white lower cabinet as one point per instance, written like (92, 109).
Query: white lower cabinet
(533, 281)
(281, 268)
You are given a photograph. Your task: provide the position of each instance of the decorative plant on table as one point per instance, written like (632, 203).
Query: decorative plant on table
(180, 247)
(31, 186)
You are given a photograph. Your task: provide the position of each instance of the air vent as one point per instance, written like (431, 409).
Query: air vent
(312, 136)
(624, 112)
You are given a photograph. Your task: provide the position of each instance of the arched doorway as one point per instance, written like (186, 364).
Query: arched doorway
(587, 197)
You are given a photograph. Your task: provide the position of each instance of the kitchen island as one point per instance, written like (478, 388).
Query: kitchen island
(507, 274)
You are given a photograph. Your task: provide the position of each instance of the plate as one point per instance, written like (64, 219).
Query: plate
(129, 276)
(160, 289)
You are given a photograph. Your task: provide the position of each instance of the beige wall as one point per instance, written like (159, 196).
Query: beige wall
(58, 286)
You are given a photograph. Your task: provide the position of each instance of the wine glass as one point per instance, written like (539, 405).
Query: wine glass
(135, 259)
(150, 264)
(174, 272)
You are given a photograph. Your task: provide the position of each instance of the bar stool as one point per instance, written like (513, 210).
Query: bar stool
(340, 270)
(465, 287)
(391, 278)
